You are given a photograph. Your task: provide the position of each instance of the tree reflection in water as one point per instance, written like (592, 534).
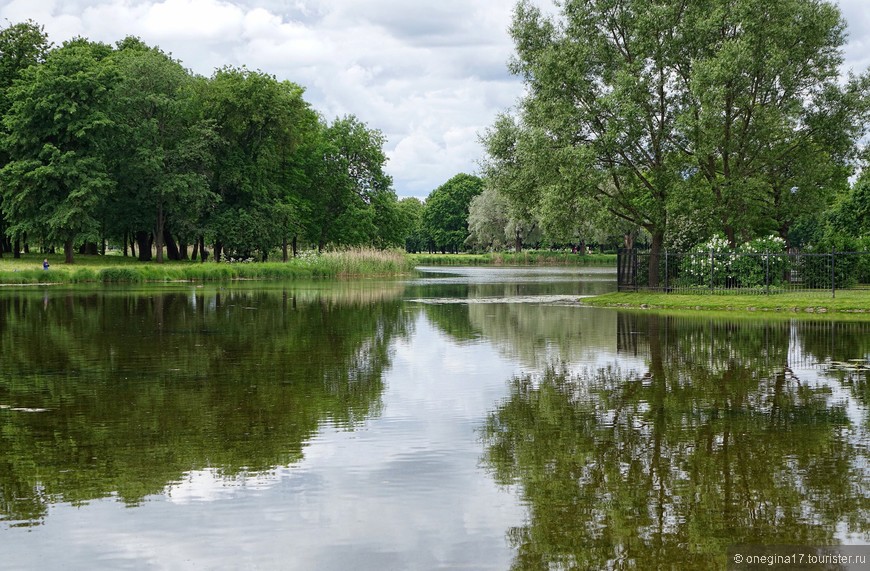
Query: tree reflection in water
(717, 443)
(140, 389)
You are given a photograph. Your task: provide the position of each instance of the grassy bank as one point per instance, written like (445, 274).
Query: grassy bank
(804, 302)
(118, 269)
(528, 258)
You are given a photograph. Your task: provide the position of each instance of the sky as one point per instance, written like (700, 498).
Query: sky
(431, 76)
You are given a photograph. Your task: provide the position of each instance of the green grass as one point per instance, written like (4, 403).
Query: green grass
(803, 302)
(526, 258)
(118, 269)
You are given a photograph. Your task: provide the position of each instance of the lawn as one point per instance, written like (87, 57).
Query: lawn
(845, 301)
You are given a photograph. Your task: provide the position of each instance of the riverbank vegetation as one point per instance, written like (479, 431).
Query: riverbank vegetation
(664, 127)
(857, 301)
(118, 269)
(524, 258)
(674, 125)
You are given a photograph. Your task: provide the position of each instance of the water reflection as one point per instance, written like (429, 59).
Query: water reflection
(122, 394)
(732, 434)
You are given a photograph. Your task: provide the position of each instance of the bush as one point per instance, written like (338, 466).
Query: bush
(760, 262)
(751, 265)
(815, 264)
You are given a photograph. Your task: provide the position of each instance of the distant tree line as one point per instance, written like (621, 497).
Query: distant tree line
(122, 145)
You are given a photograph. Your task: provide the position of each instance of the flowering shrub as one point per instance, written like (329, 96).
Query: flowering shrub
(750, 265)
(761, 260)
(710, 260)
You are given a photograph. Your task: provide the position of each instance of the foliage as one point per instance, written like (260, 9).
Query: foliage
(754, 264)
(445, 217)
(162, 151)
(57, 138)
(351, 186)
(410, 214)
(488, 219)
(674, 109)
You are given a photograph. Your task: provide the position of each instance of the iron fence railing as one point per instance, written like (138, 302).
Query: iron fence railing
(739, 272)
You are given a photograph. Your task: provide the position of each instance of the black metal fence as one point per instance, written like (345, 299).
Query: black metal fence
(737, 272)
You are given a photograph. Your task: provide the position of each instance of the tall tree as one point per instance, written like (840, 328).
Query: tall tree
(349, 184)
(445, 217)
(649, 100)
(162, 149)
(21, 46)
(57, 138)
(256, 117)
(411, 219)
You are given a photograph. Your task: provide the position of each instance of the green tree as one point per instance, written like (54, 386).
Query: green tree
(445, 217)
(21, 46)
(349, 185)
(257, 119)
(646, 101)
(162, 149)
(57, 138)
(411, 221)
(488, 218)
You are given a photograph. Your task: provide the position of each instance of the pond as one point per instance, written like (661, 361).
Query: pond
(465, 418)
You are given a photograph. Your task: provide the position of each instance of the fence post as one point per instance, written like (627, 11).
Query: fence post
(767, 272)
(667, 281)
(833, 276)
(634, 267)
(619, 269)
(712, 264)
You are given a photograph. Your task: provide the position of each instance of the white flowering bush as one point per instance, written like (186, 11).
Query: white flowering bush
(710, 260)
(747, 266)
(760, 260)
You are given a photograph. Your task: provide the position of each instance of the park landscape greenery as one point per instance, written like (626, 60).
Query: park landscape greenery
(668, 124)
(674, 122)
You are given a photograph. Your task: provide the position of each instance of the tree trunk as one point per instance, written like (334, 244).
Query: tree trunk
(284, 250)
(68, 251)
(158, 233)
(182, 250)
(125, 243)
(16, 249)
(88, 248)
(143, 240)
(582, 249)
(655, 254)
(203, 253)
(731, 235)
(518, 242)
(218, 249)
(295, 250)
(171, 246)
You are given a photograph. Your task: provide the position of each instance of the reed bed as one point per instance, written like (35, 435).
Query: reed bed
(526, 258)
(356, 262)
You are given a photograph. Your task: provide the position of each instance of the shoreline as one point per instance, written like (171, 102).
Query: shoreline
(848, 302)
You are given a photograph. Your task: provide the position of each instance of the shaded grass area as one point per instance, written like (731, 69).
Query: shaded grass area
(118, 269)
(803, 302)
(527, 258)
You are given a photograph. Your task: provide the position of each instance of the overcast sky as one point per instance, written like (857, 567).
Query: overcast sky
(430, 75)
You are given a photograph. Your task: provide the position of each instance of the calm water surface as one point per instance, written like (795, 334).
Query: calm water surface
(468, 418)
